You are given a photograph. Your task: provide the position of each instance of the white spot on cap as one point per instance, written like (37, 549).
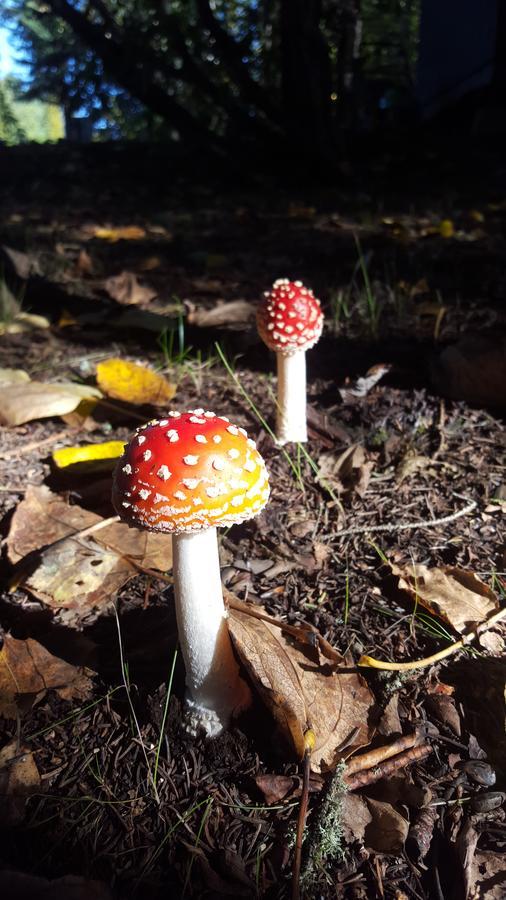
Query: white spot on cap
(163, 473)
(250, 465)
(233, 429)
(197, 501)
(125, 504)
(191, 483)
(127, 469)
(217, 438)
(197, 420)
(144, 494)
(159, 497)
(209, 415)
(233, 453)
(141, 438)
(147, 455)
(212, 491)
(179, 495)
(218, 464)
(251, 444)
(201, 439)
(197, 412)
(238, 501)
(163, 422)
(172, 435)
(174, 415)
(190, 460)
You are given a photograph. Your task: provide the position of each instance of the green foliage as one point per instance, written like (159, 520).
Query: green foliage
(11, 130)
(22, 120)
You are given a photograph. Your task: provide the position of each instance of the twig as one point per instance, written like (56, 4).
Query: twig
(370, 662)
(309, 741)
(378, 755)
(370, 776)
(408, 526)
(34, 445)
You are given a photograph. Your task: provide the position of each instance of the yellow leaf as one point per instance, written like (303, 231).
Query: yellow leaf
(125, 233)
(68, 456)
(133, 383)
(446, 229)
(476, 215)
(66, 319)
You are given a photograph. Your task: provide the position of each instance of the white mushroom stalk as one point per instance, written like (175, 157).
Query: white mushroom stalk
(216, 692)
(290, 322)
(186, 475)
(291, 424)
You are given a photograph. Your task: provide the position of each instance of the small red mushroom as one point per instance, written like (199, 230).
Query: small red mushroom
(290, 321)
(187, 474)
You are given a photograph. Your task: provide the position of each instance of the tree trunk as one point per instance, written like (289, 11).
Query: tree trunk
(306, 80)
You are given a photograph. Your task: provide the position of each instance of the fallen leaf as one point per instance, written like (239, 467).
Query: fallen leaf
(361, 386)
(455, 595)
(277, 788)
(446, 228)
(13, 376)
(22, 322)
(25, 264)
(487, 876)
(76, 577)
(444, 710)
(207, 285)
(301, 692)
(125, 288)
(122, 233)
(84, 264)
(349, 473)
(19, 778)
(39, 400)
(238, 311)
(388, 829)
(150, 263)
(411, 463)
(27, 668)
(355, 817)
(473, 369)
(69, 456)
(133, 383)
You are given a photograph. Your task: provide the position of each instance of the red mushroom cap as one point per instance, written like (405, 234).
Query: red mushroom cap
(189, 471)
(289, 317)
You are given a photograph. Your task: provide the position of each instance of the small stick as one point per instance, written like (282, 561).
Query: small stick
(309, 741)
(374, 757)
(370, 662)
(34, 445)
(362, 779)
(408, 526)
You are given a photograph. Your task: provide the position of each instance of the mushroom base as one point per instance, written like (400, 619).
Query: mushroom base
(291, 412)
(215, 690)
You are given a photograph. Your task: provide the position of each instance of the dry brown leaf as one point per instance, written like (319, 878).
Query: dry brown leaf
(278, 788)
(25, 264)
(300, 692)
(365, 383)
(349, 473)
(487, 876)
(388, 830)
(77, 576)
(133, 383)
(84, 264)
(13, 376)
(19, 778)
(37, 400)
(125, 288)
(455, 595)
(410, 464)
(22, 322)
(121, 233)
(26, 667)
(236, 312)
(355, 817)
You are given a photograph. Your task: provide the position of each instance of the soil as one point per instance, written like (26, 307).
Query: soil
(317, 554)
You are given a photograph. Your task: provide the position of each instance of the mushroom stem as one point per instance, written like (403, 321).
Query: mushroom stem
(291, 412)
(215, 691)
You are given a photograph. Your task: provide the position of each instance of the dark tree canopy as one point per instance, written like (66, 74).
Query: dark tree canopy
(276, 74)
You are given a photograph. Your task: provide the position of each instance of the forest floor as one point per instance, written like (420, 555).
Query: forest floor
(400, 488)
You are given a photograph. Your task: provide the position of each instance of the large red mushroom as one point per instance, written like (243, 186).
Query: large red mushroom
(290, 321)
(187, 474)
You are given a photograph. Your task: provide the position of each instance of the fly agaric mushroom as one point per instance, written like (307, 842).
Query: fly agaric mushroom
(187, 474)
(290, 321)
